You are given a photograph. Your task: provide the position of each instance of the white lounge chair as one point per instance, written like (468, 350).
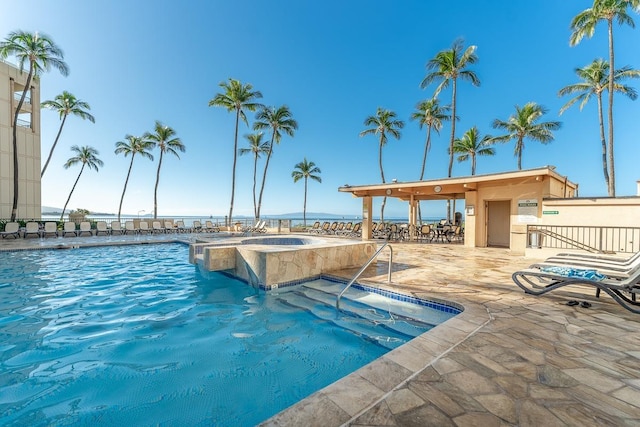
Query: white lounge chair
(181, 228)
(85, 228)
(101, 227)
(69, 228)
(197, 226)
(116, 228)
(129, 227)
(168, 227)
(156, 227)
(209, 227)
(11, 229)
(50, 229)
(144, 227)
(32, 228)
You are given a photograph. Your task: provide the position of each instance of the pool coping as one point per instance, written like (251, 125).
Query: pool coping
(353, 395)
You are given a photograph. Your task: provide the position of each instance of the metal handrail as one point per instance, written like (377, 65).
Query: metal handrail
(364, 267)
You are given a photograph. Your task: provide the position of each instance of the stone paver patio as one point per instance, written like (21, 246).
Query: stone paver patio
(508, 359)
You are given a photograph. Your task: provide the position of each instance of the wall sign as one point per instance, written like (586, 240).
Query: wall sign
(528, 211)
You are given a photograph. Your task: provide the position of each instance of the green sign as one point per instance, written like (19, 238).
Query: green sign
(550, 212)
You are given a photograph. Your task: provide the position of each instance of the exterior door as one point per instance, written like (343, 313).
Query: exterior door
(499, 223)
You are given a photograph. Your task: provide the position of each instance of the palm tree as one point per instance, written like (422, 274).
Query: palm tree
(163, 138)
(431, 114)
(256, 147)
(595, 80)
(132, 145)
(584, 24)
(236, 97)
(86, 155)
(41, 53)
(524, 124)
(471, 146)
(448, 66)
(306, 170)
(65, 104)
(384, 122)
(279, 120)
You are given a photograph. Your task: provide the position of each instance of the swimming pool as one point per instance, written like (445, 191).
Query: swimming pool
(135, 335)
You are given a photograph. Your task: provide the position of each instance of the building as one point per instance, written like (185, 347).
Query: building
(497, 207)
(12, 83)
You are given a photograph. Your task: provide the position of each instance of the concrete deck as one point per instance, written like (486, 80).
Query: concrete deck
(508, 359)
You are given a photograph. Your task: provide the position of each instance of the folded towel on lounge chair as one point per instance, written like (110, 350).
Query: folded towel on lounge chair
(574, 272)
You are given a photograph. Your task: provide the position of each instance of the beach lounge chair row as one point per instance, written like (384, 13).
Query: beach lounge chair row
(259, 227)
(617, 277)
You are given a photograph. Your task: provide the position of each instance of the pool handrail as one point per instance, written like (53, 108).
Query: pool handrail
(364, 267)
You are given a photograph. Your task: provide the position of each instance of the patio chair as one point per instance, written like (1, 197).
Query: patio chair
(210, 227)
(315, 228)
(85, 228)
(249, 228)
(69, 228)
(181, 228)
(537, 281)
(31, 228)
(325, 228)
(11, 229)
(168, 227)
(50, 229)
(197, 226)
(101, 227)
(261, 228)
(143, 227)
(425, 232)
(156, 227)
(332, 229)
(116, 228)
(129, 227)
(346, 229)
(357, 230)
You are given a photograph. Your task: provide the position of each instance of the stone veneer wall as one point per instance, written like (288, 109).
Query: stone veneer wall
(274, 264)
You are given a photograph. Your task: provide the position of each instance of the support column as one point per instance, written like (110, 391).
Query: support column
(413, 210)
(367, 206)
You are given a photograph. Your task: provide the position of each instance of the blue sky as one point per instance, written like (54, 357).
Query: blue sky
(333, 63)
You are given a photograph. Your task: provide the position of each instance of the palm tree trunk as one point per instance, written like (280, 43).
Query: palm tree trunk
(55, 142)
(16, 176)
(124, 190)
(155, 191)
(73, 188)
(304, 208)
(603, 141)
(264, 176)
(453, 136)
(426, 149)
(612, 172)
(255, 170)
(473, 164)
(233, 169)
(384, 199)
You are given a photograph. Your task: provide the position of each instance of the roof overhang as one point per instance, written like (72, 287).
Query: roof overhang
(454, 188)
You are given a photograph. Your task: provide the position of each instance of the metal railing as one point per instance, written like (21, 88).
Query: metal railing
(598, 239)
(364, 267)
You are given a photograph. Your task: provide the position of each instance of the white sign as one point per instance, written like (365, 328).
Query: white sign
(528, 211)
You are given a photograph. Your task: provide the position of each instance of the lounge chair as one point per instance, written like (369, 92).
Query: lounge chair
(129, 227)
(346, 229)
(85, 228)
(619, 269)
(315, 228)
(209, 227)
(197, 226)
(143, 227)
(101, 227)
(332, 229)
(69, 228)
(50, 229)
(11, 229)
(116, 228)
(181, 228)
(168, 227)
(31, 228)
(590, 258)
(261, 227)
(537, 281)
(156, 227)
(357, 230)
(325, 228)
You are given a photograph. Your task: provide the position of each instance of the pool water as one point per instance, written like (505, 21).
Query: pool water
(135, 335)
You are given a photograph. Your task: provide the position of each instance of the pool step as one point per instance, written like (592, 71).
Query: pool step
(360, 319)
